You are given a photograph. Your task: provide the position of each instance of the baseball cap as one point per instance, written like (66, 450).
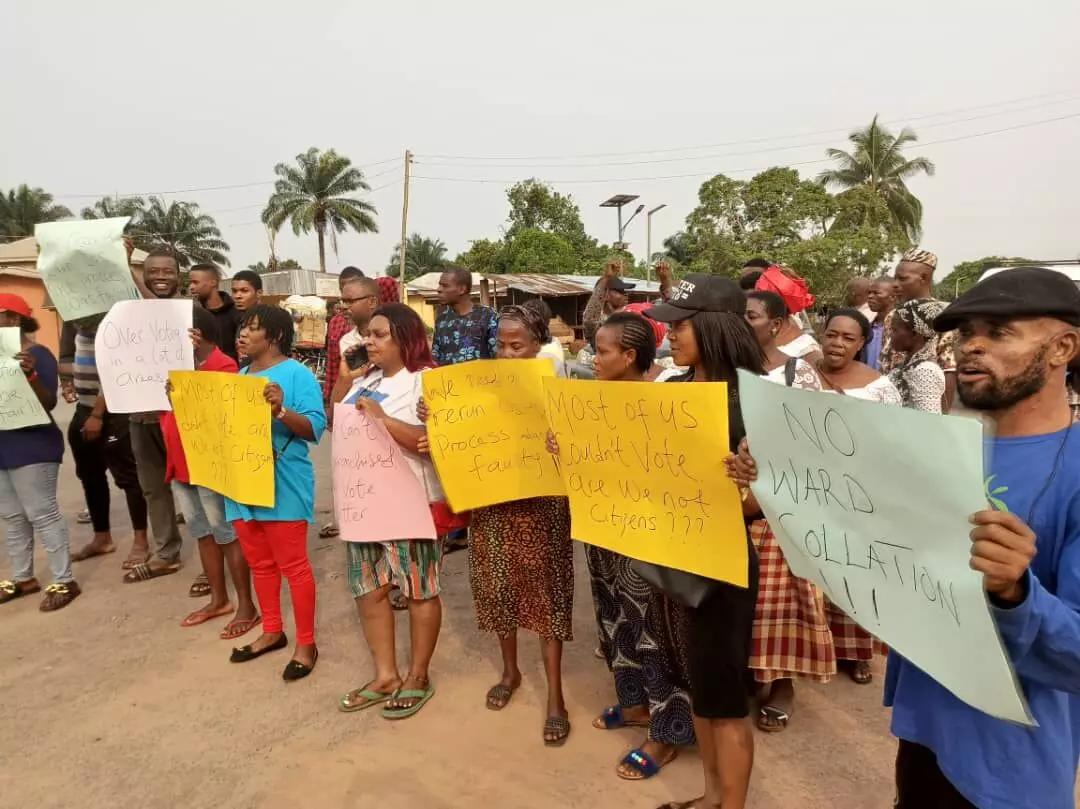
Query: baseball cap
(619, 285)
(14, 303)
(699, 292)
(1016, 293)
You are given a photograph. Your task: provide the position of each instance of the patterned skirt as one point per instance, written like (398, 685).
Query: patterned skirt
(850, 640)
(642, 677)
(792, 635)
(521, 567)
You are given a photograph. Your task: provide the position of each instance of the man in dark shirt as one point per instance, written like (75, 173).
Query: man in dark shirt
(204, 281)
(463, 330)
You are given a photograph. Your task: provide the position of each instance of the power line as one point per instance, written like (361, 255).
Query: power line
(737, 171)
(908, 118)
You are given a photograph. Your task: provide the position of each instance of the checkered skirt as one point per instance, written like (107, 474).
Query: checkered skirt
(792, 636)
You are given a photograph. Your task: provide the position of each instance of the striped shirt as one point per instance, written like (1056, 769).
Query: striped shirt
(87, 381)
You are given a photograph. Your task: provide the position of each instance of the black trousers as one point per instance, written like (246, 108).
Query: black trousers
(920, 784)
(111, 452)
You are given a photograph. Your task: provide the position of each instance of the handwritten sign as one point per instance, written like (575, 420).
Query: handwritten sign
(84, 265)
(377, 497)
(225, 429)
(487, 430)
(136, 346)
(19, 405)
(643, 467)
(863, 510)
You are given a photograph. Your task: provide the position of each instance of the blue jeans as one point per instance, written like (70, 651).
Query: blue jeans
(204, 512)
(28, 505)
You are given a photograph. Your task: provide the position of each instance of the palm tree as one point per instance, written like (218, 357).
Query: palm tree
(193, 236)
(877, 163)
(422, 256)
(110, 207)
(287, 264)
(23, 207)
(311, 196)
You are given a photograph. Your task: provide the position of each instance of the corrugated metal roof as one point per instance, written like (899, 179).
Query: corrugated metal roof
(561, 285)
(20, 272)
(589, 281)
(26, 250)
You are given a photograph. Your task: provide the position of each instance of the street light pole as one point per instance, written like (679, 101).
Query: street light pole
(648, 240)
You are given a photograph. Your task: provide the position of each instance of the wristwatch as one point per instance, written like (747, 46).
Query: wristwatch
(281, 413)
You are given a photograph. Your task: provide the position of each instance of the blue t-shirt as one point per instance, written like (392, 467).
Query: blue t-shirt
(40, 444)
(993, 763)
(294, 474)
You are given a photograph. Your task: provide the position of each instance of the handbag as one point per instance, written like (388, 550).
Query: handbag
(687, 588)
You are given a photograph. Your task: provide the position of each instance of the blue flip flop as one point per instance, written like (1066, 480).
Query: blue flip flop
(642, 764)
(613, 718)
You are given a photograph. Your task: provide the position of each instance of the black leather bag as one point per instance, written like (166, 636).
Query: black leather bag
(687, 588)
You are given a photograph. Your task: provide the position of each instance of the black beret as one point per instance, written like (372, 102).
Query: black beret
(1015, 293)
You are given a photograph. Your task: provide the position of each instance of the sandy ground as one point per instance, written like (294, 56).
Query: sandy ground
(110, 703)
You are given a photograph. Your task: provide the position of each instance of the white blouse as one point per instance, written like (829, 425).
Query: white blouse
(801, 346)
(881, 390)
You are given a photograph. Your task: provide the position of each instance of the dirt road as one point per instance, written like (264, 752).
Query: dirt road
(109, 703)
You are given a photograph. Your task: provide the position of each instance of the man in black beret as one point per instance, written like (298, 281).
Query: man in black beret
(1016, 334)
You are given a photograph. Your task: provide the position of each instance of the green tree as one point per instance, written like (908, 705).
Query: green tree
(536, 206)
(286, 264)
(23, 207)
(422, 255)
(313, 195)
(538, 251)
(877, 162)
(112, 207)
(966, 273)
(484, 256)
(193, 236)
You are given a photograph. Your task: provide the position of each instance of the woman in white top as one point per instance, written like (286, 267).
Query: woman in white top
(398, 351)
(919, 378)
(847, 333)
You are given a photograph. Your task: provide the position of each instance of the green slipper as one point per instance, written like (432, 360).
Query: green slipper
(405, 713)
(348, 704)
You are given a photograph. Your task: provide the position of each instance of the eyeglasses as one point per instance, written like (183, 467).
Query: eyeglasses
(351, 301)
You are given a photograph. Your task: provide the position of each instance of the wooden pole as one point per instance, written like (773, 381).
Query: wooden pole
(404, 226)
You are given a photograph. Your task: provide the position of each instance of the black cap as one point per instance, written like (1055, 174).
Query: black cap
(699, 292)
(1015, 293)
(619, 285)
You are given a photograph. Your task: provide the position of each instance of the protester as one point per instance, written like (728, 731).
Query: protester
(463, 330)
(795, 338)
(205, 509)
(521, 561)
(918, 377)
(847, 336)
(881, 300)
(608, 297)
(552, 349)
(29, 467)
(100, 443)
(752, 272)
(247, 291)
(792, 639)
(161, 279)
(857, 296)
(390, 393)
(709, 646)
(204, 285)
(658, 371)
(388, 290)
(339, 326)
(274, 539)
(647, 697)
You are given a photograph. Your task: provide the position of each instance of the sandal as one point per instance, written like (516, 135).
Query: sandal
(559, 726)
(421, 695)
(83, 517)
(206, 614)
(135, 558)
(681, 804)
(498, 696)
(642, 764)
(58, 595)
(772, 719)
(10, 590)
(458, 544)
(200, 588)
(144, 572)
(613, 718)
(349, 702)
(329, 531)
(860, 671)
(240, 627)
(398, 600)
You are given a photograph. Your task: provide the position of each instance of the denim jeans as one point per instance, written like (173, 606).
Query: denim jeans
(204, 512)
(28, 505)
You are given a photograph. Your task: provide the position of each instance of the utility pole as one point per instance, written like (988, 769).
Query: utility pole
(404, 226)
(648, 240)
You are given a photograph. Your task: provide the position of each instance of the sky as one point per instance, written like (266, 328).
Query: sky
(596, 98)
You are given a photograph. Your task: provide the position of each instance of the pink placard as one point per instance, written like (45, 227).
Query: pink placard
(377, 498)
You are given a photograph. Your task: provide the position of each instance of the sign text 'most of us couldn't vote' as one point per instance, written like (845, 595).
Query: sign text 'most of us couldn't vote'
(643, 468)
(862, 509)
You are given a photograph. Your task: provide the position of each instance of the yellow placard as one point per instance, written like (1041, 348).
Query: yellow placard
(225, 429)
(643, 468)
(487, 430)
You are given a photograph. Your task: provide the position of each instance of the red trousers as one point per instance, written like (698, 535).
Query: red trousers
(274, 549)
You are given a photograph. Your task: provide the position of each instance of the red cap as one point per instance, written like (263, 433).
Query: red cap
(14, 303)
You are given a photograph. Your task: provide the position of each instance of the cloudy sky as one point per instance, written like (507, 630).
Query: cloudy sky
(595, 97)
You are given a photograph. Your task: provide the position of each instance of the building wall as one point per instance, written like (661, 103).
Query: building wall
(33, 292)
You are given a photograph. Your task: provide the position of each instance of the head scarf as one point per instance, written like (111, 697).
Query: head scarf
(917, 315)
(388, 290)
(787, 285)
(659, 329)
(534, 322)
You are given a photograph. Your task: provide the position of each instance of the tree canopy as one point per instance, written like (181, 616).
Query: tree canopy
(285, 264)
(422, 255)
(966, 273)
(23, 207)
(192, 235)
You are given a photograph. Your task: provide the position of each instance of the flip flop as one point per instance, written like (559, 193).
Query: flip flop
(144, 572)
(643, 765)
(201, 617)
(613, 718)
(329, 531)
(239, 628)
(777, 717)
(135, 559)
(558, 725)
(371, 698)
(499, 696)
(422, 696)
(89, 552)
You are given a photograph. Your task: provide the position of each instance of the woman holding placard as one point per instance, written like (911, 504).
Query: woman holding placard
(648, 696)
(708, 645)
(274, 539)
(29, 466)
(389, 393)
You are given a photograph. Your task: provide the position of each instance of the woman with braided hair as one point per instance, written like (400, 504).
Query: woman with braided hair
(919, 378)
